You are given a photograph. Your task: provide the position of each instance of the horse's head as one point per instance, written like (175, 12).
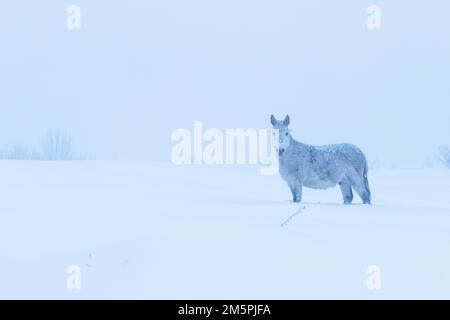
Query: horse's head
(284, 133)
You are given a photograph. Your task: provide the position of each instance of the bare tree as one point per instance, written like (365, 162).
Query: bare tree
(445, 155)
(57, 146)
(18, 152)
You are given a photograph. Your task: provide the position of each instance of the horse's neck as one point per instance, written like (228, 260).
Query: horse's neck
(296, 149)
(298, 146)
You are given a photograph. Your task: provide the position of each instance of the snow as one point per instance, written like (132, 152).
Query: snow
(159, 231)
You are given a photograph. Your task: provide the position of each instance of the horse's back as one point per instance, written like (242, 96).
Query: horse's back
(345, 154)
(330, 163)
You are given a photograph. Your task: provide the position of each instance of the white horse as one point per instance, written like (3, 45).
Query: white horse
(321, 167)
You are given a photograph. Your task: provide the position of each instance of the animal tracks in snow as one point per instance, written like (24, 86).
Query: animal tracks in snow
(286, 222)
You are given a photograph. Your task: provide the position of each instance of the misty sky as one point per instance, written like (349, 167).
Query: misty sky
(139, 69)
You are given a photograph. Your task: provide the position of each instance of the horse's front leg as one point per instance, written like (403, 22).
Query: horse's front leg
(296, 189)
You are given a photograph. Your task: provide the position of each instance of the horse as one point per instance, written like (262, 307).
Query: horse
(320, 167)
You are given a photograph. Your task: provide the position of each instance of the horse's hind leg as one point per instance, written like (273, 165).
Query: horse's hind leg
(361, 186)
(367, 189)
(346, 189)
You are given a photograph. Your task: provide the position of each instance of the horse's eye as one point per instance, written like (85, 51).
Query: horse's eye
(287, 133)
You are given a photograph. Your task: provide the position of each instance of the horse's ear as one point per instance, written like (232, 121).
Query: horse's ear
(273, 120)
(286, 120)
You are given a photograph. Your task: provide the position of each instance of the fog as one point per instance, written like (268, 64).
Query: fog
(137, 70)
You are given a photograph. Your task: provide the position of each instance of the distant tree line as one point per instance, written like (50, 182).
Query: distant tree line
(55, 146)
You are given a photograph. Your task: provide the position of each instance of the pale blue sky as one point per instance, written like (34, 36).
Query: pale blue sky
(139, 69)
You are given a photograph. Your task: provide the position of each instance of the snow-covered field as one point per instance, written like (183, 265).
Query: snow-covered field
(158, 231)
